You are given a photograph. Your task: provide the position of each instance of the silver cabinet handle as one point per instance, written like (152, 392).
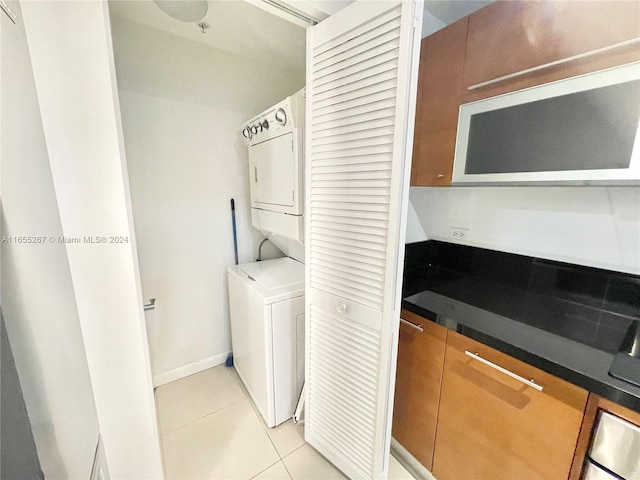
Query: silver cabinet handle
(509, 373)
(151, 305)
(255, 174)
(412, 325)
(554, 63)
(440, 175)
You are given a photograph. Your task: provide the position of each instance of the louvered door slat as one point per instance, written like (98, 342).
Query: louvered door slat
(351, 40)
(358, 179)
(376, 183)
(340, 269)
(371, 102)
(371, 159)
(343, 233)
(378, 59)
(359, 75)
(359, 92)
(380, 51)
(335, 192)
(363, 419)
(364, 134)
(338, 225)
(358, 125)
(354, 146)
(361, 114)
(359, 267)
(358, 84)
(357, 262)
(336, 271)
(376, 63)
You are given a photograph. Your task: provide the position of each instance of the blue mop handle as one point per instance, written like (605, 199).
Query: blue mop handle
(235, 235)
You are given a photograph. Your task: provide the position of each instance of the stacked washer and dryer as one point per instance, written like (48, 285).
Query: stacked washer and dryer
(266, 299)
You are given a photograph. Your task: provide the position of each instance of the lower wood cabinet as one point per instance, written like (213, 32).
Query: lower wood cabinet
(418, 377)
(493, 426)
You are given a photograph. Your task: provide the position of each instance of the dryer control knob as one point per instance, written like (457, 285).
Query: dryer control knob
(281, 116)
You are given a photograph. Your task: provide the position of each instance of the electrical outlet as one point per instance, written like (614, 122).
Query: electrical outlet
(457, 233)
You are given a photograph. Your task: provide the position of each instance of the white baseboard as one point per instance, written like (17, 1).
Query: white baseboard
(408, 461)
(190, 369)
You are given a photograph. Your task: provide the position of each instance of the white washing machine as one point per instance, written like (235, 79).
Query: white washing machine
(266, 301)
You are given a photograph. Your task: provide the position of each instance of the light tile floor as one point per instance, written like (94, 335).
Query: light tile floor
(211, 430)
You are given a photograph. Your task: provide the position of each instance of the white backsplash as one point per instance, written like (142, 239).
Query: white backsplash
(593, 226)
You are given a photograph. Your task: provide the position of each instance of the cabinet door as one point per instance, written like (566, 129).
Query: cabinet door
(418, 378)
(493, 426)
(361, 81)
(511, 36)
(440, 81)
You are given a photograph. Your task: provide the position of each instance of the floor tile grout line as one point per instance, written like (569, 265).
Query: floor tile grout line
(252, 403)
(264, 425)
(246, 397)
(285, 466)
(271, 440)
(200, 418)
(266, 429)
(265, 469)
(293, 451)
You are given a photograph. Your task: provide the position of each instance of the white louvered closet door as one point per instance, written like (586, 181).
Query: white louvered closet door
(361, 80)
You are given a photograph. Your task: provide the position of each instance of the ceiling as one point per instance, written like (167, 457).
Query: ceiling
(235, 26)
(451, 10)
(240, 27)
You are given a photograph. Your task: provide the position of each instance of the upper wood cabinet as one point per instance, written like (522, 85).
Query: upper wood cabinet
(511, 36)
(421, 347)
(438, 100)
(504, 38)
(493, 426)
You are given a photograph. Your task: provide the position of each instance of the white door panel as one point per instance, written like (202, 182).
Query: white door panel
(361, 82)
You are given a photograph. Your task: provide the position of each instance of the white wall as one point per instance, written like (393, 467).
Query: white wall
(430, 23)
(70, 48)
(182, 106)
(593, 226)
(38, 300)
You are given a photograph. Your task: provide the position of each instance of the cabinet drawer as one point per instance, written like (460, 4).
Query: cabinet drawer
(505, 427)
(418, 377)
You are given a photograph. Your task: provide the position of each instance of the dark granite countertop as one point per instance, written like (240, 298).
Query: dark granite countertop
(568, 320)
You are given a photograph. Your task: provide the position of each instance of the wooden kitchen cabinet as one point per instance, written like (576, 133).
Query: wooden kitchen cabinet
(492, 426)
(418, 377)
(511, 36)
(504, 38)
(438, 100)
